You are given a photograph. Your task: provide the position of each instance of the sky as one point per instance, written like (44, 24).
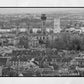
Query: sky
(38, 10)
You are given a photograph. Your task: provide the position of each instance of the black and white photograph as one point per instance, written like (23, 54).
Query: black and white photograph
(41, 42)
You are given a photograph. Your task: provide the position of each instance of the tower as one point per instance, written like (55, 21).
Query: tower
(57, 28)
(43, 19)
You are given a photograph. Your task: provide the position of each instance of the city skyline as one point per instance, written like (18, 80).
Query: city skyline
(40, 10)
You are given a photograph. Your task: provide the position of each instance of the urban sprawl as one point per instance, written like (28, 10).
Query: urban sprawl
(45, 45)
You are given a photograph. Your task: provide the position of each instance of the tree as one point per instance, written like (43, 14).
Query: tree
(75, 42)
(51, 31)
(82, 42)
(23, 42)
(39, 31)
(41, 41)
(31, 31)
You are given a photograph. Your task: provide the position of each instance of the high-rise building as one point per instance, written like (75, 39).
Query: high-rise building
(57, 28)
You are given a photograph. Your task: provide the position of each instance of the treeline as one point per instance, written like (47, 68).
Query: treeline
(67, 41)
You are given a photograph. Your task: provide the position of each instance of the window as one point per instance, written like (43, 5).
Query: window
(54, 60)
(43, 37)
(37, 37)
